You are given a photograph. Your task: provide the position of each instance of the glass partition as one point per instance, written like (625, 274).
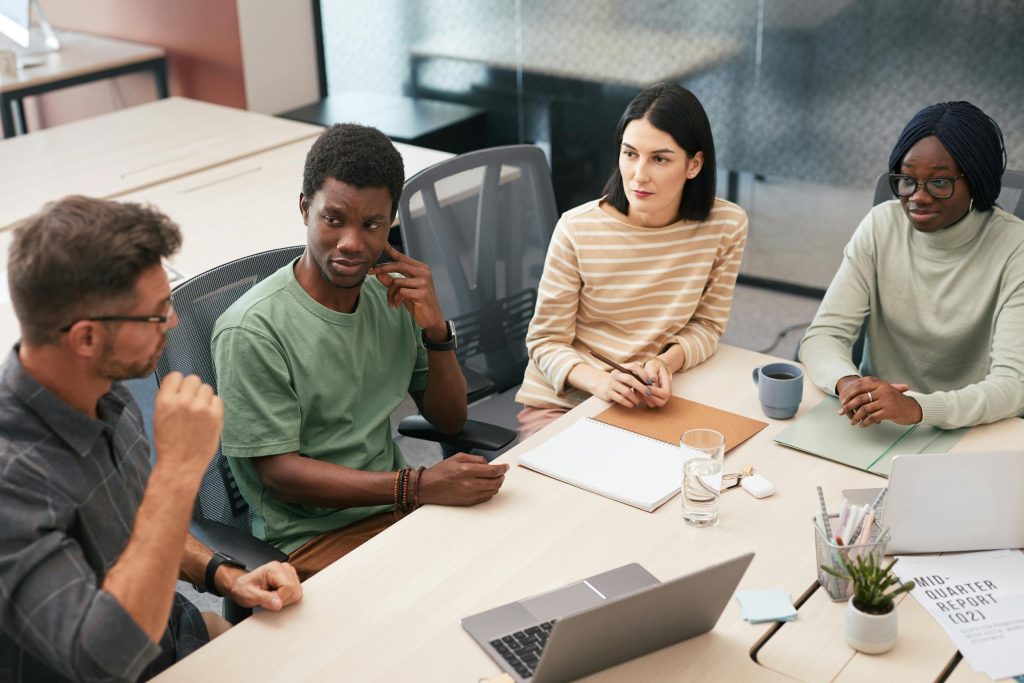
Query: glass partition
(805, 97)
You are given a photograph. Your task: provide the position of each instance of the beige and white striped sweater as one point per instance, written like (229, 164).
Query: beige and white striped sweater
(629, 293)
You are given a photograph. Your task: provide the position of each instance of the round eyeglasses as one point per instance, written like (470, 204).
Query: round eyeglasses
(940, 188)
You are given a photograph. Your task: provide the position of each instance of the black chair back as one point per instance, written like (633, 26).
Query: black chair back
(483, 221)
(198, 302)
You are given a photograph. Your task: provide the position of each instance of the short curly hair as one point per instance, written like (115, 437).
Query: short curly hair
(360, 156)
(80, 257)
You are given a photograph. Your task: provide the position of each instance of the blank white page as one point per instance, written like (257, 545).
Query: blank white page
(612, 462)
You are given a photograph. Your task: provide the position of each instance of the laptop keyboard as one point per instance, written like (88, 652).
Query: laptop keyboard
(522, 649)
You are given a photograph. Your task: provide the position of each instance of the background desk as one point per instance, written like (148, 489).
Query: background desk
(127, 150)
(82, 58)
(391, 609)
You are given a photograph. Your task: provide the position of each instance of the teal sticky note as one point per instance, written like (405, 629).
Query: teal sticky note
(766, 605)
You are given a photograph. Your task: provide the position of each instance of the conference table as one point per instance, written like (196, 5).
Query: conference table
(390, 610)
(129, 149)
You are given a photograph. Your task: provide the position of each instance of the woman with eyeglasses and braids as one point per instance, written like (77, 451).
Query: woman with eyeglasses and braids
(936, 277)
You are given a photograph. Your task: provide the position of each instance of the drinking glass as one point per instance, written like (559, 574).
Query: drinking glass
(703, 453)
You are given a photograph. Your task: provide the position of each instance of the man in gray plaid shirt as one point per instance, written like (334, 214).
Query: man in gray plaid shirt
(92, 538)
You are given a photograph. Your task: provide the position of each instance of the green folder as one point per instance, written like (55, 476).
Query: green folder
(823, 432)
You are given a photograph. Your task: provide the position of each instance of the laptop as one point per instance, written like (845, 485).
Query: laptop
(949, 502)
(603, 620)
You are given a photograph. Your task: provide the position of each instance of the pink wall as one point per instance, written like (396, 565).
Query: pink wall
(200, 36)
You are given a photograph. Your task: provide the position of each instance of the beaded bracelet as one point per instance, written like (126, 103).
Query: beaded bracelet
(406, 499)
(403, 488)
(398, 479)
(416, 488)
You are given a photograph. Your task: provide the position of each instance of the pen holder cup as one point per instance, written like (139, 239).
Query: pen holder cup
(828, 553)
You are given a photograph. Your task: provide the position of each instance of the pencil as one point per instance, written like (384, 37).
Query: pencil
(608, 361)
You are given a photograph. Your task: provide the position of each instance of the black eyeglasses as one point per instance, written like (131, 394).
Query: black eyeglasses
(161, 319)
(940, 188)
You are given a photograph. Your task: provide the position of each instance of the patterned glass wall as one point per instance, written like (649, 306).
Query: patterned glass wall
(805, 97)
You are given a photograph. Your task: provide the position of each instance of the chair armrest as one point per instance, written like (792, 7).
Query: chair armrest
(236, 543)
(486, 437)
(478, 385)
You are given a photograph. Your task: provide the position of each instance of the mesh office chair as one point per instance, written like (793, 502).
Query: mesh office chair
(483, 221)
(221, 517)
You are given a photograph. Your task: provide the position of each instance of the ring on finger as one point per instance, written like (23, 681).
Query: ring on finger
(870, 398)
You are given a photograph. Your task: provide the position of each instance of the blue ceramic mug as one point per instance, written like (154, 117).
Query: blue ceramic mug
(780, 386)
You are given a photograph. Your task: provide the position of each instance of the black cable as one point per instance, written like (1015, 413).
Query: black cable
(782, 334)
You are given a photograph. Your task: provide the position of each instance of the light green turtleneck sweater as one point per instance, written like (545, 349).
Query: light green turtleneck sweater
(945, 314)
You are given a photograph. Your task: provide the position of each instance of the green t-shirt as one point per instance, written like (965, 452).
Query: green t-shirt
(297, 376)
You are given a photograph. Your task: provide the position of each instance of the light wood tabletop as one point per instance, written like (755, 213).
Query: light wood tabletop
(80, 54)
(111, 155)
(813, 646)
(391, 609)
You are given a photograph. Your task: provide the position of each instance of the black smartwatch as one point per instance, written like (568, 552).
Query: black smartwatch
(213, 565)
(449, 344)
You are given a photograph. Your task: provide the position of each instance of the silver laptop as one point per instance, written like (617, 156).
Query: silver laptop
(602, 621)
(947, 502)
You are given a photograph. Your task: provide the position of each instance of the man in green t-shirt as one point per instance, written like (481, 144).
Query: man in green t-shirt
(312, 361)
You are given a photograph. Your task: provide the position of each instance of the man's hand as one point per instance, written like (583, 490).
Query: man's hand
(462, 479)
(271, 586)
(187, 420)
(414, 290)
(868, 400)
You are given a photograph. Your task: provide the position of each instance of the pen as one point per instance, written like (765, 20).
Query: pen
(825, 525)
(878, 499)
(853, 523)
(608, 361)
(865, 534)
(844, 512)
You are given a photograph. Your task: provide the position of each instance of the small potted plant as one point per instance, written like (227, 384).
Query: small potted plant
(870, 624)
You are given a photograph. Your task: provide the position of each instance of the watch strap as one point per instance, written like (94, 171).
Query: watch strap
(449, 344)
(212, 566)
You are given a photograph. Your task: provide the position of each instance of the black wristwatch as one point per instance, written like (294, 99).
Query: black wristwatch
(212, 566)
(449, 344)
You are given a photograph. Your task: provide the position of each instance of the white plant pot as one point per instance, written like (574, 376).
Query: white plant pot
(869, 633)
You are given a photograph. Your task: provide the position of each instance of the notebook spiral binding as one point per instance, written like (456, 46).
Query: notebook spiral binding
(632, 433)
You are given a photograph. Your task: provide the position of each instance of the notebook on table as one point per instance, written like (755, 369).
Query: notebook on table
(823, 432)
(633, 455)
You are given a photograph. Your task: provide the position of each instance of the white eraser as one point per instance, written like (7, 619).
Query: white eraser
(757, 486)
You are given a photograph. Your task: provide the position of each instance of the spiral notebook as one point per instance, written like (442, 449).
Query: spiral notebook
(632, 455)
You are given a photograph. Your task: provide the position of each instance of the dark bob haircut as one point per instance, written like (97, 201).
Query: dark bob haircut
(676, 111)
(356, 155)
(970, 136)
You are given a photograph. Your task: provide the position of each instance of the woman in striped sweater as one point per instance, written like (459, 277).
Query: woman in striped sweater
(643, 275)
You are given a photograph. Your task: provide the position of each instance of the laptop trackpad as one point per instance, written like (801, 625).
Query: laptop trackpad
(561, 602)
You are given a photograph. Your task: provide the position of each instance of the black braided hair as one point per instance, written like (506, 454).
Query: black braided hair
(970, 136)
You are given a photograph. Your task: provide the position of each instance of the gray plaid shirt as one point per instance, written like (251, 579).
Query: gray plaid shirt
(69, 490)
